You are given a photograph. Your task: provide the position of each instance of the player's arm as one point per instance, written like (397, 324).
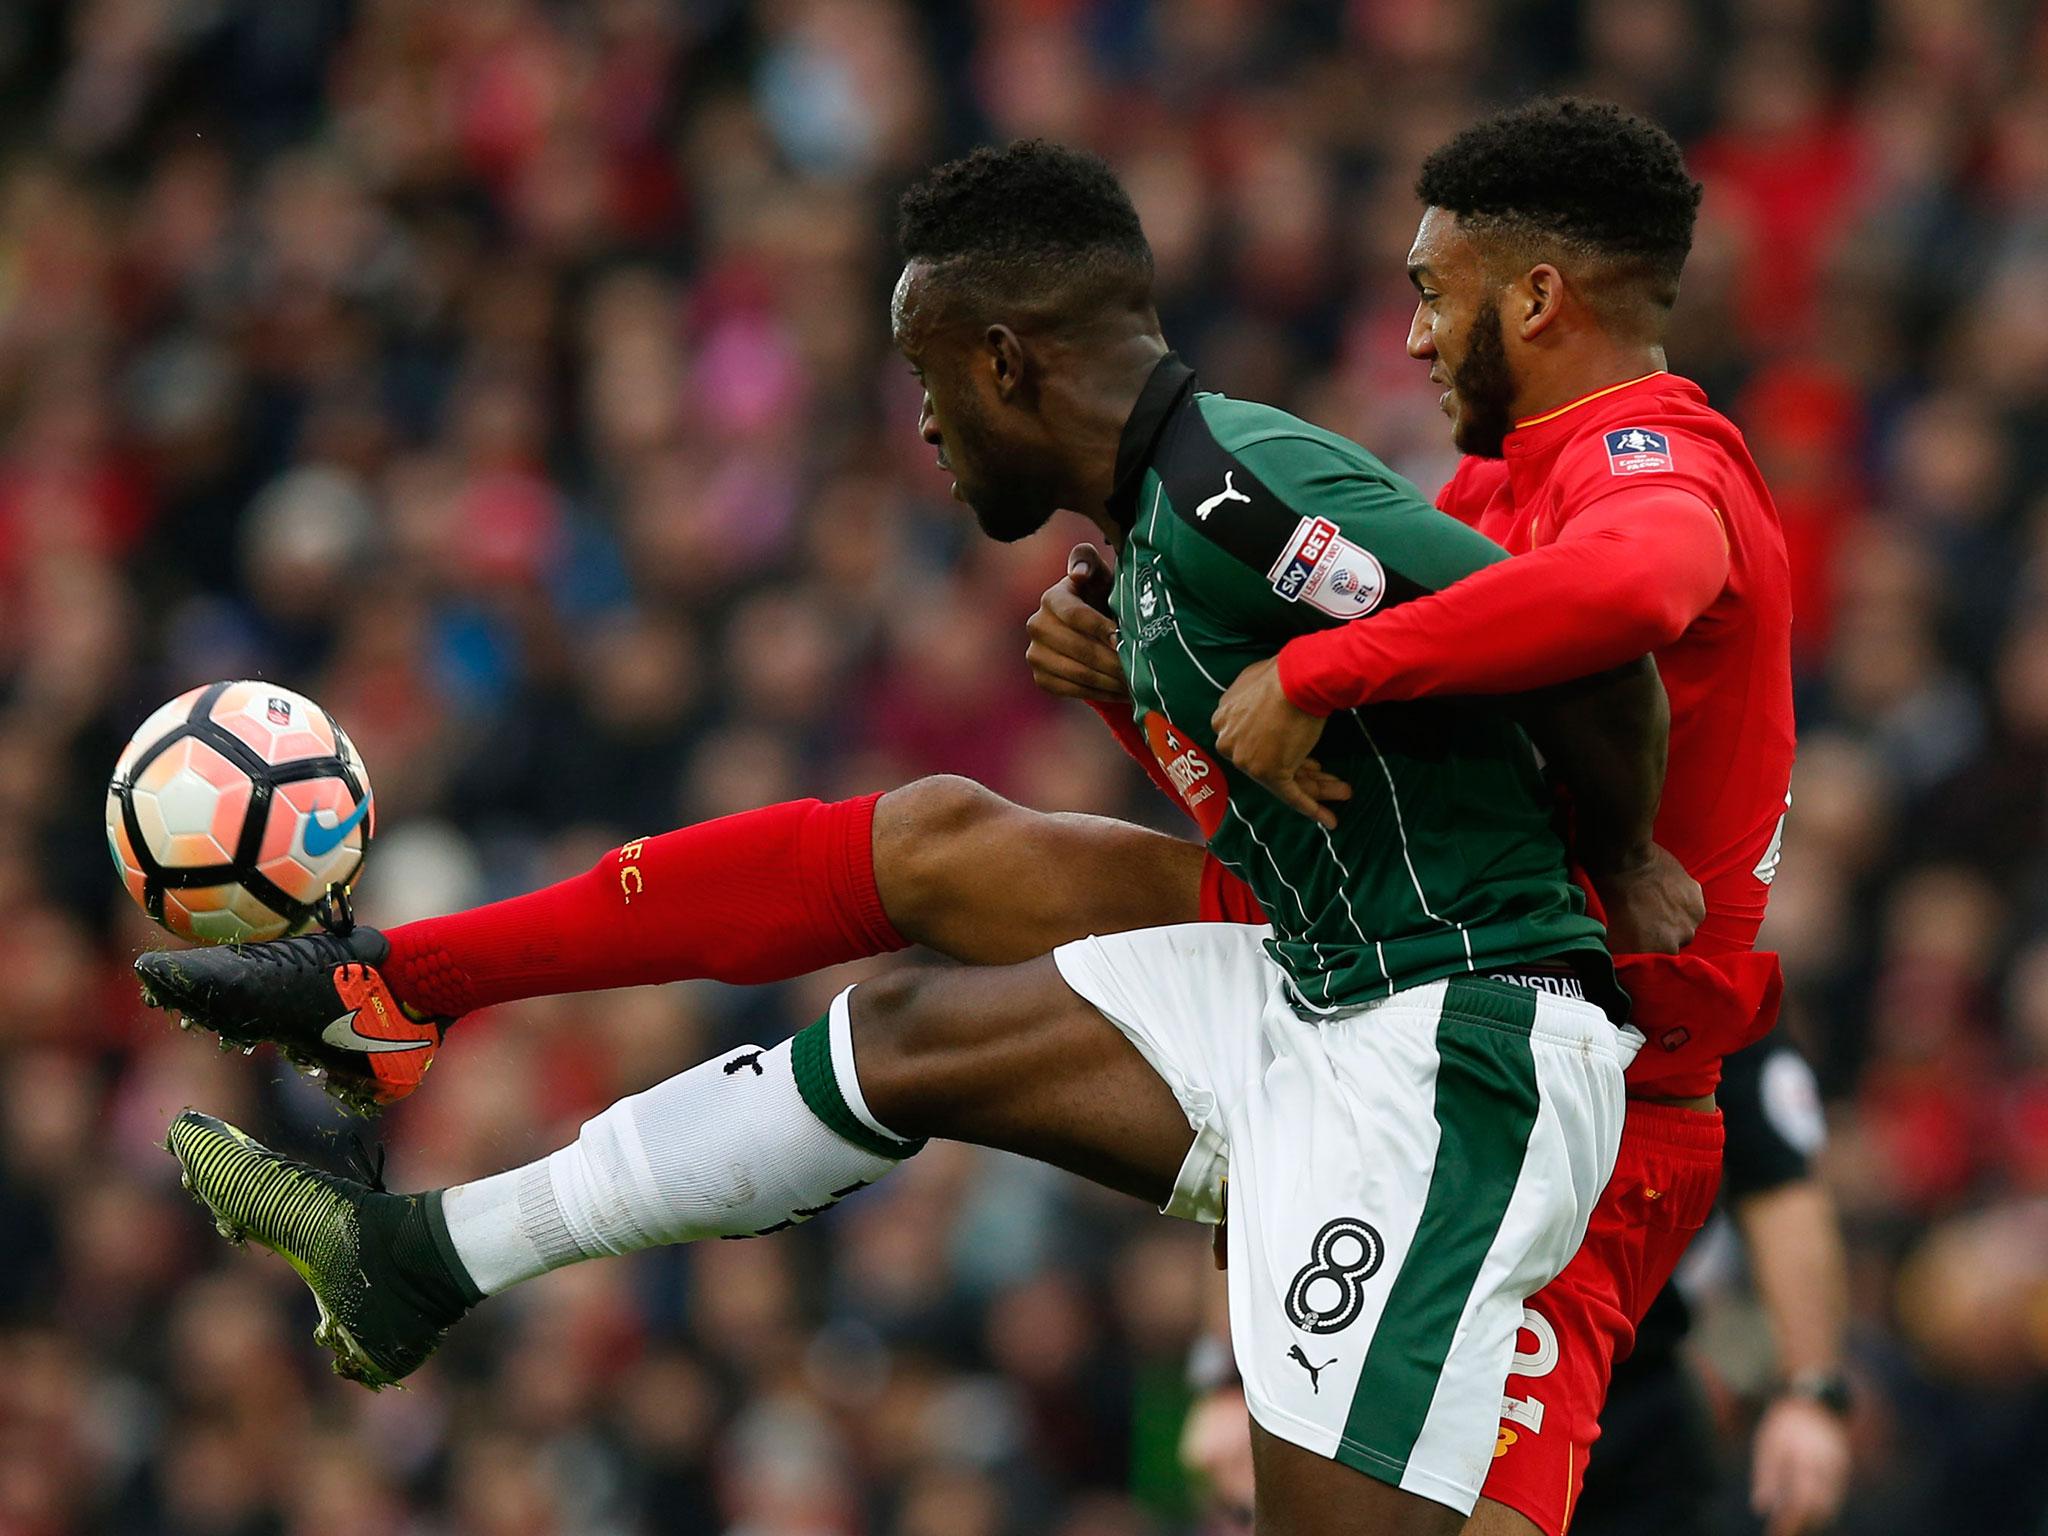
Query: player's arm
(1393, 549)
(1800, 1466)
(1772, 1114)
(1072, 649)
(1624, 577)
(1605, 738)
(1605, 735)
(1072, 654)
(1795, 1251)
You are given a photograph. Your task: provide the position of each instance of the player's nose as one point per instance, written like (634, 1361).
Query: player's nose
(1421, 335)
(927, 424)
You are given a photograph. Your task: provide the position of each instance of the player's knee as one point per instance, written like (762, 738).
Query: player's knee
(900, 1048)
(928, 835)
(935, 811)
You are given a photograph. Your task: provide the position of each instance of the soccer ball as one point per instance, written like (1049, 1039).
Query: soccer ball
(235, 810)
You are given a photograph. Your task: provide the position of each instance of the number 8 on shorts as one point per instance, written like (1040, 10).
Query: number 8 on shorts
(1328, 1292)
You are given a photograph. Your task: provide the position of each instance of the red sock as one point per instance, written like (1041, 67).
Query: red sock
(761, 896)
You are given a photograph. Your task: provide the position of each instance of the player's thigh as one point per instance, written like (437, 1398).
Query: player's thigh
(1115, 1057)
(1010, 1057)
(1577, 1326)
(1302, 1494)
(975, 877)
(1550, 1410)
(1491, 1519)
(1656, 1465)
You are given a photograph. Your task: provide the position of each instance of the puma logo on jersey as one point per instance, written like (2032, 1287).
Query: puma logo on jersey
(1228, 493)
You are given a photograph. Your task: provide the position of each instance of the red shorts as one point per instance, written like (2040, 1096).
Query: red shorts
(1575, 1328)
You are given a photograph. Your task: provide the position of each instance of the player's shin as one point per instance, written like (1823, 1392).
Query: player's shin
(756, 897)
(743, 1145)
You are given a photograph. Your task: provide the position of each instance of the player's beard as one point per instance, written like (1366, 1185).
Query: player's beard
(1010, 500)
(1485, 388)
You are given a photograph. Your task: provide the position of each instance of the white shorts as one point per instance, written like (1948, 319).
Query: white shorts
(1401, 1177)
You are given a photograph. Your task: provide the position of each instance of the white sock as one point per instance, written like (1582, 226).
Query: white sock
(753, 1142)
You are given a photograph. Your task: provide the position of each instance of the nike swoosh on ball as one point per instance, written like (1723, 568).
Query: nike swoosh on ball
(321, 840)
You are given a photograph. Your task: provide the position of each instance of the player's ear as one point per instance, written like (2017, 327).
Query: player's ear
(1005, 359)
(1540, 294)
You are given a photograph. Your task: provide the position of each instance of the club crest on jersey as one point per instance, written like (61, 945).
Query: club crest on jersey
(1637, 451)
(1195, 775)
(1328, 572)
(1152, 622)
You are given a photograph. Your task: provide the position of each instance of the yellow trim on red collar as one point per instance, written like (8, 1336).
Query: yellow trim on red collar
(1537, 421)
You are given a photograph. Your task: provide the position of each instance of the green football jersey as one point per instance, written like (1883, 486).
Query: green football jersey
(1247, 527)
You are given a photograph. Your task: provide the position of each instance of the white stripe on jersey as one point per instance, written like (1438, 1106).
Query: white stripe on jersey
(1401, 826)
(1173, 622)
(1173, 616)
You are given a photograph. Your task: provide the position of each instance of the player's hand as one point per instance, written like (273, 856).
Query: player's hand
(1801, 1467)
(1653, 907)
(1262, 731)
(1072, 654)
(1216, 1447)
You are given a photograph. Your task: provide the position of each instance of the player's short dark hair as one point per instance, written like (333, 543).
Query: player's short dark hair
(1586, 174)
(1032, 221)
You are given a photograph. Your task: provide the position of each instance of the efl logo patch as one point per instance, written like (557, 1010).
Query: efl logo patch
(1637, 451)
(1329, 572)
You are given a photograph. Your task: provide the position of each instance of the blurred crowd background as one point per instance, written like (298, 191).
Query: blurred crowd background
(513, 376)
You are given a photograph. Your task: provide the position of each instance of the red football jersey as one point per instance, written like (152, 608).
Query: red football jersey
(1728, 675)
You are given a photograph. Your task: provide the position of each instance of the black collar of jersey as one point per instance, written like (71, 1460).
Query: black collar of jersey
(1171, 382)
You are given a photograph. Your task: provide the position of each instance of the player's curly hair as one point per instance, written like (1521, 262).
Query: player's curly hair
(1585, 173)
(1028, 220)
